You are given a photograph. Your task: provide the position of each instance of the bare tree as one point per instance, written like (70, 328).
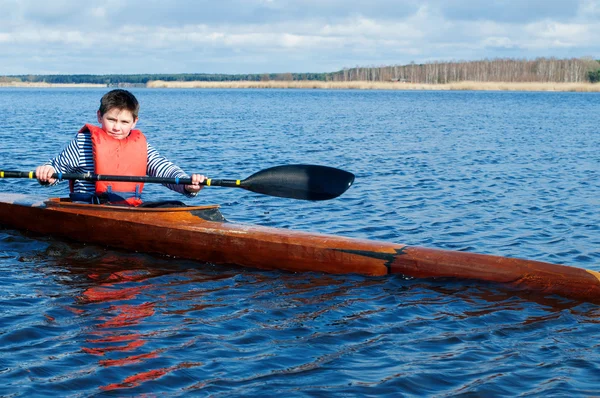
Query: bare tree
(573, 70)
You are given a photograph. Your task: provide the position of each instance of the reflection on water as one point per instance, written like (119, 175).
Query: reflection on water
(502, 173)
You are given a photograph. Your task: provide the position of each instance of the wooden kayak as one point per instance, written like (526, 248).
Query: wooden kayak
(201, 233)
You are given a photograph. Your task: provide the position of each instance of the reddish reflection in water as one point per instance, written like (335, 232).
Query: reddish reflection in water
(137, 379)
(132, 345)
(113, 332)
(121, 276)
(128, 315)
(103, 294)
(130, 359)
(117, 298)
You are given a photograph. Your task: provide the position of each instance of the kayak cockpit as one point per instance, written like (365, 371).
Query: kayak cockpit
(206, 212)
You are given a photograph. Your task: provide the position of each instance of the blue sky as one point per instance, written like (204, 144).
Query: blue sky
(277, 36)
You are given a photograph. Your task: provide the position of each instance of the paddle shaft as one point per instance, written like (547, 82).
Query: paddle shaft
(101, 177)
(299, 181)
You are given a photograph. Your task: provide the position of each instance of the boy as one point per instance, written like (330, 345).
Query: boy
(114, 149)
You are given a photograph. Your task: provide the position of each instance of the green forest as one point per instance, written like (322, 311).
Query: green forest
(573, 70)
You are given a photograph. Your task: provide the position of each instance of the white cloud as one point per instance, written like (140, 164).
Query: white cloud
(559, 31)
(98, 12)
(498, 42)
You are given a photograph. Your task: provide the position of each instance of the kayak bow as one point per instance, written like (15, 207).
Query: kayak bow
(201, 233)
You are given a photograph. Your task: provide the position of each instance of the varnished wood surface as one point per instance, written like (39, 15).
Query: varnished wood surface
(182, 232)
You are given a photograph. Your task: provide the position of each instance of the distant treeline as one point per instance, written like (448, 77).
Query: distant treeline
(574, 70)
(145, 78)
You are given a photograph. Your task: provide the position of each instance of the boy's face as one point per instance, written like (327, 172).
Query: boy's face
(117, 122)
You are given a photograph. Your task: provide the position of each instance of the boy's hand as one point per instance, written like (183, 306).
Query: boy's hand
(195, 187)
(44, 174)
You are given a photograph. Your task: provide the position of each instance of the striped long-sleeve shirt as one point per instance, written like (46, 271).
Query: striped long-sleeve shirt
(78, 157)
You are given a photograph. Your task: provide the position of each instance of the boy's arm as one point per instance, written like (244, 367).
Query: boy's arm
(66, 162)
(159, 166)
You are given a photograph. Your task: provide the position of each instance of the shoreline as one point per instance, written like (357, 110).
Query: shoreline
(363, 85)
(354, 85)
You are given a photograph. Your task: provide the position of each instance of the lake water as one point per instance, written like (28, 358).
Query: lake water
(512, 174)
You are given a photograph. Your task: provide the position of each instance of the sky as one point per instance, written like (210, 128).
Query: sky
(279, 36)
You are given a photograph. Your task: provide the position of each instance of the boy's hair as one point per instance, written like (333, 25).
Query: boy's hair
(120, 99)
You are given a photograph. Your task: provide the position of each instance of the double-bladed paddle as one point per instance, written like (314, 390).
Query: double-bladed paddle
(296, 181)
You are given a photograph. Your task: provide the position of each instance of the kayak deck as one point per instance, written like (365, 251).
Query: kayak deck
(202, 233)
(196, 232)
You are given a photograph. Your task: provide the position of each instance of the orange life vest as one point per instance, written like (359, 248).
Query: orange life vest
(128, 156)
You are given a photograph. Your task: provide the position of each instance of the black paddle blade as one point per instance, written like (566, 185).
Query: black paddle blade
(300, 181)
